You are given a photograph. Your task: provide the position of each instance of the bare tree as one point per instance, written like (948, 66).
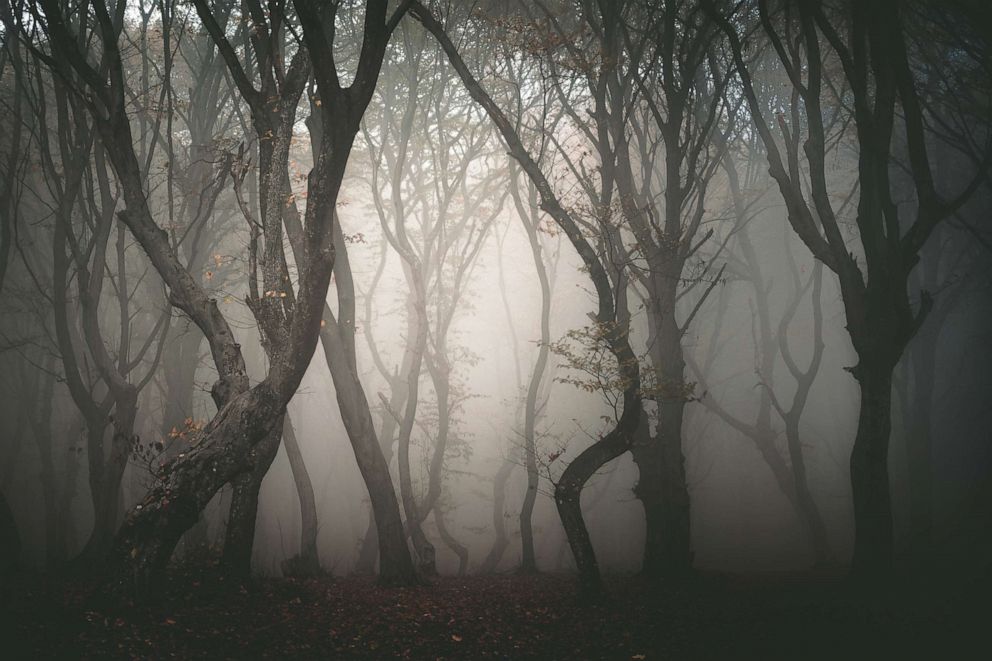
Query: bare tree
(882, 94)
(609, 319)
(247, 414)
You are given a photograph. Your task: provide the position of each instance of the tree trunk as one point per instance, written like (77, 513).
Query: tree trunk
(42, 429)
(188, 483)
(918, 440)
(106, 483)
(528, 562)
(417, 324)
(568, 491)
(337, 339)
(649, 490)
(10, 539)
(369, 550)
(66, 540)
(502, 540)
(180, 379)
(307, 563)
(450, 541)
(239, 538)
(872, 559)
(803, 500)
(395, 565)
(677, 552)
(661, 485)
(98, 538)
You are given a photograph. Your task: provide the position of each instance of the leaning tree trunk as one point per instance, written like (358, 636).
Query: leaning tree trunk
(369, 550)
(187, 484)
(568, 492)
(239, 538)
(395, 563)
(307, 562)
(337, 339)
(528, 563)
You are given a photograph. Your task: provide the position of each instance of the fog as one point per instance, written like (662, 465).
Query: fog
(725, 321)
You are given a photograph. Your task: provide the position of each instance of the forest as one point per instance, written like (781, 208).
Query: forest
(514, 329)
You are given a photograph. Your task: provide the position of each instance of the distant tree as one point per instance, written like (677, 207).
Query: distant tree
(435, 213)
(772, 347)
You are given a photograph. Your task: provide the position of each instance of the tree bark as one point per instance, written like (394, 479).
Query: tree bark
(239, 538)
(661, 486)
(872, 561)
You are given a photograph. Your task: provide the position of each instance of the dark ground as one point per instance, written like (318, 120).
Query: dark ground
(788, 616)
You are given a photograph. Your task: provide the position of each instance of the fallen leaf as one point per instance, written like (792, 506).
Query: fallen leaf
(455, 637)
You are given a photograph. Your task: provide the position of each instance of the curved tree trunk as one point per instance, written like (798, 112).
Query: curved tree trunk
(528, 562)
(395, 564)
(568, 492)
(369, 551)
(307, 563)
(449, 540)
(337, 339)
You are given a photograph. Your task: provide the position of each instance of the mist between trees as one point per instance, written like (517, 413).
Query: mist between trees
(398, 288)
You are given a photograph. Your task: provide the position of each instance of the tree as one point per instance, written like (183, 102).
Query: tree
(609, 320)
(771, 346)
(247, 414)
(435, 213)
(861, 52)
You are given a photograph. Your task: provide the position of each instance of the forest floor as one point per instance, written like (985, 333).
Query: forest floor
(781, 616)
